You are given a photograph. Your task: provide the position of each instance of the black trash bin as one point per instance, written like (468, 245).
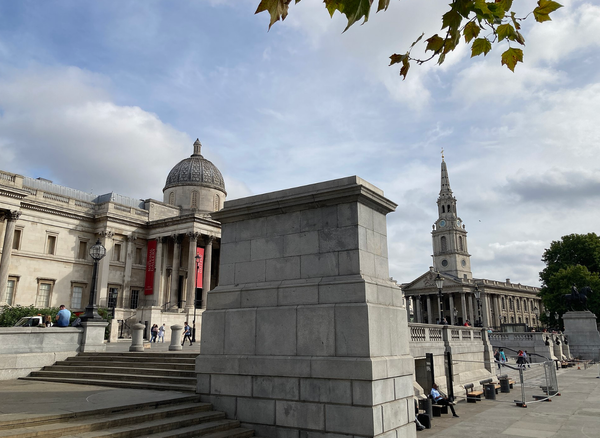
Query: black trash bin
(489, 391)
(504, 385)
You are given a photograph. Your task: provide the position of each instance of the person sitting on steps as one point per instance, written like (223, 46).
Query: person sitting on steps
(439, 399)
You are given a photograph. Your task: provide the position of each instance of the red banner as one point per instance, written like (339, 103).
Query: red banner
(150, 268)
(199, 266)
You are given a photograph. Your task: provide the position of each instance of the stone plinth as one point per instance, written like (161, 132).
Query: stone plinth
(582, 333)
(305, 332)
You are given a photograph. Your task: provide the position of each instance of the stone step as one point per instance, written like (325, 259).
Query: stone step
(149, 359)
(116, 384)
(191, 432)
(160, 419)
(138, 364)
(140, 354)
(102, 412)
(126, 370)
(109, 375)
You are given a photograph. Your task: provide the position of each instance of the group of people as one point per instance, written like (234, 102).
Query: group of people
(522, 359)
(158, 333)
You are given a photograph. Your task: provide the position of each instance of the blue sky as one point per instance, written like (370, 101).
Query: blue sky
(108, 96)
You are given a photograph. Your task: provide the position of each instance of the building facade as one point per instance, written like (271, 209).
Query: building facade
(47, 230)
(499, 302)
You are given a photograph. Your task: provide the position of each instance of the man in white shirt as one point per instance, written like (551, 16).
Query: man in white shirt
(439, 399)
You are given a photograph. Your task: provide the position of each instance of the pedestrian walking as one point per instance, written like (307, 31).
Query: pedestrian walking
(161, 333)
(187, 334)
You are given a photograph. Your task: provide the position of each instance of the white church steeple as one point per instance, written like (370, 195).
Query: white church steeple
(450, 254)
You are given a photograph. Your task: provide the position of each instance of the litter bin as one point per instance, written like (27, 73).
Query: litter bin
(489, 391)
(504, 385)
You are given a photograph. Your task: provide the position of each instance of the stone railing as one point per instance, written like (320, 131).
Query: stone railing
(439, 333)
(7, 177)
(56, 198)
(546, 345)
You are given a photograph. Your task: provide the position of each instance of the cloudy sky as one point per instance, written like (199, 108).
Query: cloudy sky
(109, 95)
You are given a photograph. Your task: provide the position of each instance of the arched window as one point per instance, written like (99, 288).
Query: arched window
(460, 243)
(503, 304)
(525, 305)
(444, 245)
(172, 198)
(518, 305)
(510, 303)
(520, 320)
(512, 319)
(449, 209)
(527, 321)
(194, 199)
(505, 320)
(217, 203)
(443, 211)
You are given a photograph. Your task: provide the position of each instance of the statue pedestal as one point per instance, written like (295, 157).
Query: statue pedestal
(583, 336)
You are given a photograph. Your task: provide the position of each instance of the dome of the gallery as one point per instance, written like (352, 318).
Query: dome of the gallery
(195, 171)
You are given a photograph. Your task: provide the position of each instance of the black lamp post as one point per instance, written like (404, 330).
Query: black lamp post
(439, 282)
(97, 252)
(195, 297)
(477, 294)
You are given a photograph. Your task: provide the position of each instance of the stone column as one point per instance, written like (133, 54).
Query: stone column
(328, 356)
(498, 310)
(164, 275)
(207, 269)
(430, 319)
(451, 310)
(125, 300)
(485, 314)
(11, 218)
(175, 272)
(419, 314)
(106, 238)
(157, 287)
(191, 281)
(463, 307)
(472, 309)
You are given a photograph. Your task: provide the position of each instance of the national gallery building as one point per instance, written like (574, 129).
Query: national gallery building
(153, 248)
(490, 302)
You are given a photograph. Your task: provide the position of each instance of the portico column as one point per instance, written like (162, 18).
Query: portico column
(463, 306)
(485, 310)
(104, 268)
(207, 269)
(191, 281)
(472, 309)
(125, 301)
(11, 217)
(451, 310)
(157, 288)
(419, 314)
(429, 312)
(175, 272)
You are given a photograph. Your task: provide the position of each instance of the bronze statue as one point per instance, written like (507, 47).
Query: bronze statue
(577, 299)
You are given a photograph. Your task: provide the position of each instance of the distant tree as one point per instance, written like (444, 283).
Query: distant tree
(575, 259)
(479, 22)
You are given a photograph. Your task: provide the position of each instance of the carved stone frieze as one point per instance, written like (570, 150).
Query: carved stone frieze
(13, 215)
(107, 234)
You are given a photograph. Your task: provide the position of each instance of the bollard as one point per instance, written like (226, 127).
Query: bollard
(176, 333)
(137, 337)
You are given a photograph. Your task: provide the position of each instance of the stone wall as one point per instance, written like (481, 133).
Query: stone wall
(305, 332)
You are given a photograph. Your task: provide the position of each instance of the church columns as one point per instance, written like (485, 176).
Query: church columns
(207, 269)
(11, 218)
(157, 286)
(451, 310)
(472, 310)
(106, 239)
(463, 306)
(485, 310)
(125, 301)
(174, 299)
(430, 319)
(191, 281)
(419, 310)
(498, 319)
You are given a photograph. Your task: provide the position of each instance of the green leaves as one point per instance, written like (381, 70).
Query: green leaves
(544, 9)
(495, 18)
(480, 45)
(511, 57)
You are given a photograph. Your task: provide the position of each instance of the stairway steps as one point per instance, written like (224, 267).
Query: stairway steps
(138, 364)
(144, 354)
(117, 384)
(191, 432)
(89, 368)
(77, 374)
(174, 359)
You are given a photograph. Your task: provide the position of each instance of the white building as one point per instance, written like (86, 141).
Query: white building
(501, 302)
(46, 231)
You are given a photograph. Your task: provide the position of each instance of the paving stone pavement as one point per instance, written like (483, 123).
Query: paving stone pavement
(573, 414)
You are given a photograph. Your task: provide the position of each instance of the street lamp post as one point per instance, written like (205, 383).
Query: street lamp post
(97, 252)
(439, 282)
(478, 298)
(195, 297)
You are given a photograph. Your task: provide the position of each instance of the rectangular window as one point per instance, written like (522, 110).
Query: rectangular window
(82, 253)
(76, 297)
(17, 240)
(10, 291)
(138, 256)
(43, 297)
(113, 293)
(51, 245)
(135, 296)
(117, 252)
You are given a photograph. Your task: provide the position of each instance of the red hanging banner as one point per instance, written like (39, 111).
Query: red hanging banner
(199, 267)
(150, 267)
